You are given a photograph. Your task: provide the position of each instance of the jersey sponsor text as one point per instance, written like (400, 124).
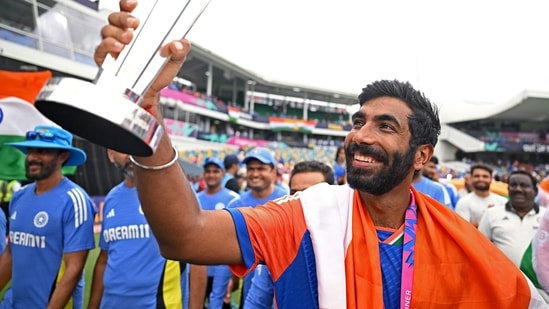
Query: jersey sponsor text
(27, 239)
(127, 232)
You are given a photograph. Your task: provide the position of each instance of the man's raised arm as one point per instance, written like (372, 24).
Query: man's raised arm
(183, 230)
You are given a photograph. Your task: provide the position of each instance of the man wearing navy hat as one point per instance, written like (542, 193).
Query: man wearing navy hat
(216, 196)
(261, 183)
(51, 225)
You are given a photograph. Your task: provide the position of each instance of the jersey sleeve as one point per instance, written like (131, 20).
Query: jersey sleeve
(446, 196)
(78, 221)
(103, 244)
(234, 203)
(255, 228)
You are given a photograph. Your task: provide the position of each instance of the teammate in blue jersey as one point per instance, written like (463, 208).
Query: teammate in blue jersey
(432, 188)
(261, 182)
(129, 271)
(216, 196)
(51, 225)
(430, 171)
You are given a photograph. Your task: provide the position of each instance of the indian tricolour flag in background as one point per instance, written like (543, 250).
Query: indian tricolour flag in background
(17, 117)
(288, 124)
(234, 113)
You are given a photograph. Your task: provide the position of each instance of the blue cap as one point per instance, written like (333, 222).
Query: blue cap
(230, 160)
(52, 138)
(261, 154)
(215, 161)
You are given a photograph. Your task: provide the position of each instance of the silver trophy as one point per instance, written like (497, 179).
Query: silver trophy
(107, 111)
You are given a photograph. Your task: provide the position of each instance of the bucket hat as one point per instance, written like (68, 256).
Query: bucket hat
(53, 138)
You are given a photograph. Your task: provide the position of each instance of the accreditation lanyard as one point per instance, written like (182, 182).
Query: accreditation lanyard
(408, 249)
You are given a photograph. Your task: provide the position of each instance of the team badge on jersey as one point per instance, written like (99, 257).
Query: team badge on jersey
(41, 219)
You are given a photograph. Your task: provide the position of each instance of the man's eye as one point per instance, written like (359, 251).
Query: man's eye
(387, 126)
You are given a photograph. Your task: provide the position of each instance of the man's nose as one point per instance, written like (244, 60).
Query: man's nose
(365, 135)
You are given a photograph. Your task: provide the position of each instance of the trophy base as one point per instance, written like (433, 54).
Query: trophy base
(100, 116)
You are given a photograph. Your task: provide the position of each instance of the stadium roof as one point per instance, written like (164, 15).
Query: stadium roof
(227, 76)
(526, 106)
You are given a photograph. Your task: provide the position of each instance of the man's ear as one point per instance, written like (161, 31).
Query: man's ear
(423, 155)
(64, 156)
(110, 154)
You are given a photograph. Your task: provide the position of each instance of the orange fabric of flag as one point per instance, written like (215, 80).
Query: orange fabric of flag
(23, 85)
(544, 184)
(455, 266)
(473, 272)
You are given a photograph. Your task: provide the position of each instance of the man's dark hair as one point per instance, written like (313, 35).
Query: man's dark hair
(314, 166)
(434, 159)
(230, 160)
(337, 152)
(523, 172)
(424, 121)
(481, 167)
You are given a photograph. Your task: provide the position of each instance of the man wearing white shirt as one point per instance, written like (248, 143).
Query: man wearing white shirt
(473, 205)
(511, 228)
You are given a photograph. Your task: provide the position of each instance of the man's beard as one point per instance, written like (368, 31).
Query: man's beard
(45, 172)
(262, 186)
(481, 187)
(386, 179)
(125, 169)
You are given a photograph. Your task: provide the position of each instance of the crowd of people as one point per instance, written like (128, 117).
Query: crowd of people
(376, 227)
